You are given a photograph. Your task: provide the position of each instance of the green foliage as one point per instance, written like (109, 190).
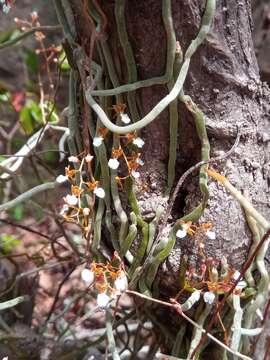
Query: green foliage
(31, 115)
(8, 35)
(63, 63)
(50, 157)
(31, 61)
(8, 243)
(17, 212)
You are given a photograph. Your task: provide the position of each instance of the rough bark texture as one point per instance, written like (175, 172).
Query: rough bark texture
(224, 81)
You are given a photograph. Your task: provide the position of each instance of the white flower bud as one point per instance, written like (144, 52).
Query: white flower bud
(209, 297)
(135, 174)
(71, 200)
(97, 141)
(99, 192)
(138, 142)
(61, 179)
(87, 276)
(113, 164)
(103, 300)
(181, 233)
(64, 209)
(86, 211)
(89, 158)
(73, 159)
(125, 118)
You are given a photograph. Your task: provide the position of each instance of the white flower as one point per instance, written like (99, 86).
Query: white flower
(125, 118)
(103, 300)
(89, 158)
(135, 174)
(86, 211)
(113, 164)
(5, 358)
(209, 297)
(121, 283)
(97, 141)
(64, 209)
(211, 234)
(73, 159)
(138, 142)
(61, 179)
(181, 233)
(87, 276)
(99, 192)
(71, 200)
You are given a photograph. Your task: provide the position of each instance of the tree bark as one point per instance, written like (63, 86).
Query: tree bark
(223, 80)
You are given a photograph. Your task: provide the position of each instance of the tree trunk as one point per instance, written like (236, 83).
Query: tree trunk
(223, 81)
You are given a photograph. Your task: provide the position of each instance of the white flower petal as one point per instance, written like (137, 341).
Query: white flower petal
(61, 179)
(97, 141)
(71, 200)
(209, 297)
(87, 276)
(138, 142)
(211, 234)
(88, 158)
(135, 174)
(73, 159)
(64, 209)
(121, 283)
(103, 300)
(181, 233)
(99, 192)
(86, 211)
(113, 164)
(125, 118)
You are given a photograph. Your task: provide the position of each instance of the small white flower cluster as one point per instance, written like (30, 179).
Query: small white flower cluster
(103, 299)
(71, 199)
